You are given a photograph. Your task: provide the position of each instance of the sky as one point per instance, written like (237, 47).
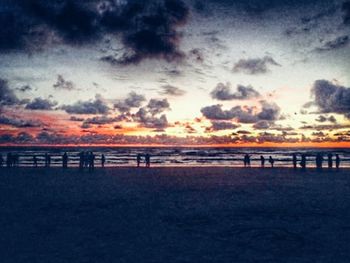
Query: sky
(175, 72)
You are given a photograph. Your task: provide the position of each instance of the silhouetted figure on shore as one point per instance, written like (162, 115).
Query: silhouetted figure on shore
(15, 160)
(262, 160)
(319, 161)
(337, 161)
(303, 161)
(138, 159)
(47, 160)
(81, 160)
(91, 159)
(35, 161)
(148, 160)
(103, 160)
(1, 161)
(330, 160)
(294, 161)
(9, 160)
(246, 160)
(65, 160)
(271, 161)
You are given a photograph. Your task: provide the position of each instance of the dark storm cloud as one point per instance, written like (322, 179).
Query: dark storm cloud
(322, 127)
(275, 138)
(243, 132)
(156, 106)
(254, 8)
(332, 119)
(161, 139)
(244, 114)
(24, 137)
(7, 96)
(21, 138)
(268, 112)
(100, 120)
(311, 23)
(262, 125)
(133, 100)
(146, 28)
(173, 72)
(151, 116)
(337, 43)
(172, 91)
(346, 10)
(221, 125)
(215, 112)
(74, 118)
(54, 138)
(323, 118)
(149, 120)
(24, 88)
(97, 106)
(224, 92)
(18, 122)
(254, 66)
(331, 98)
(41, 104)
(61, 83)
(197, 55)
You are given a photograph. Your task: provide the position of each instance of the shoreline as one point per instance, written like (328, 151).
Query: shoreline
(161, 170)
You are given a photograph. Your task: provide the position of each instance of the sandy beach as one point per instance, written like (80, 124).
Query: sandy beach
(174, 215)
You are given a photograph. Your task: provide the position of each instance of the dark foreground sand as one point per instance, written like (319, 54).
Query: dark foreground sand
(174, 215)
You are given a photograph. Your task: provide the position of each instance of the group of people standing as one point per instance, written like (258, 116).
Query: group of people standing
(320, 159)
(302, 163)
(12, 160)
(87, 160)
(246, 160)
(147, 158)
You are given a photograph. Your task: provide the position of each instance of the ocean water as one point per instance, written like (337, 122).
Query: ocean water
(174, 156)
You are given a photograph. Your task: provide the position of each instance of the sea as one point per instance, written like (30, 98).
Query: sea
(175, 156)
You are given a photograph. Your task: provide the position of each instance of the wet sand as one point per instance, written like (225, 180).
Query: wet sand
(174, 215)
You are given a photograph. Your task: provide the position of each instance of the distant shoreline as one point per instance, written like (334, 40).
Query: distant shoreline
(177, 167)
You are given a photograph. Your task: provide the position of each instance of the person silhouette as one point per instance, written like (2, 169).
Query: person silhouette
(303, 161)
(148, 160)
(246, 160)
(271, 161)
(103, 160)
(47, 160)
(1, 160)
(330, 160)
(35, 161)
(15, 160)
(262, 160)
(319, 160)
(65, 160)
(138, 159)
(294, 157)
(91, 159)
(81, 160)
(337, 161)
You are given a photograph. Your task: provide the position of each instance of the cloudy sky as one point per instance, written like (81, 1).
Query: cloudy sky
(175, 72)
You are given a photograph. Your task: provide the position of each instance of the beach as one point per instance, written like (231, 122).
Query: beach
(174, 214)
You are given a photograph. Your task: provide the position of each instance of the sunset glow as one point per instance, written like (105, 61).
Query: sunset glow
(175, 73)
